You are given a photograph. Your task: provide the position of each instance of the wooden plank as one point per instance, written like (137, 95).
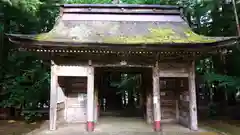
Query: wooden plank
(172, 74)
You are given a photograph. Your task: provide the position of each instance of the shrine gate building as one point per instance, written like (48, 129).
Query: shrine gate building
(90, 36)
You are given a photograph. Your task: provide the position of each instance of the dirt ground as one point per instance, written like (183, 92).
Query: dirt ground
(20, 128)
(11, 127)
(229, 127)
(119, 126)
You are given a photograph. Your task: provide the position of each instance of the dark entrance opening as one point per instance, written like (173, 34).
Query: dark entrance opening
(122, 91)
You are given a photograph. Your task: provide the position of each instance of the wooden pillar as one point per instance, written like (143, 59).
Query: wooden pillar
(156, 98)
(90, 99)
(53, 97)
(192, 97)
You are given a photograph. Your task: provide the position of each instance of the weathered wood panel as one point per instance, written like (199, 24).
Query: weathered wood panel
(60, 111)
(149, 108)
(184, 108)
(173, 70)
(168, 99)
(60, 95)
(76, 102)
(76, 107)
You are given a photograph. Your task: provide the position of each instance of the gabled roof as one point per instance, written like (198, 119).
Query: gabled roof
(83, 25)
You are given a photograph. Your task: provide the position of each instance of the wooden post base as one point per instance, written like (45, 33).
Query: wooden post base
(157, 126)
(90, 126)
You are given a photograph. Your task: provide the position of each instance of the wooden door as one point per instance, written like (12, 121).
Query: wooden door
(168, 100)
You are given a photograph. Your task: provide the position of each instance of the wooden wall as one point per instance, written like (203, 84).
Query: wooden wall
(149, 108)
(168, 97)
(60, 111)
(183, 102)
(61, 98)
(76, 100)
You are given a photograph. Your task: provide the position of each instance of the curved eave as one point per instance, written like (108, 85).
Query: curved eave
(28, 42)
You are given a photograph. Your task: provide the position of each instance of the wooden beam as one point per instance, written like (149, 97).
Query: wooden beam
(156, 98)
(53, 98)
(172, 74)
(72, 70)
(192, 96)
(122, 66)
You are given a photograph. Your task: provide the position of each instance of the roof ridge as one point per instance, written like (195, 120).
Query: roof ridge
(169, 7)
(120, 9)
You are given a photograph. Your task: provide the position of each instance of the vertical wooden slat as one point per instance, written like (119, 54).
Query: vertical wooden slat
(192, 96)
(53, 98)
(156, 98)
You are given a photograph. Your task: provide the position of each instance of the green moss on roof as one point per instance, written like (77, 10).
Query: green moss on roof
(124, 33)
(161, 35)
(44, 36)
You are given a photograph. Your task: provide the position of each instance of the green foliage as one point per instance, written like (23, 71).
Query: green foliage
(223, 80)
(25, 85)
(128, 82)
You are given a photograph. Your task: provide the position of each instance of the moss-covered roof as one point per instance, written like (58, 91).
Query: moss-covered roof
(129, 32)
(123, 32)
